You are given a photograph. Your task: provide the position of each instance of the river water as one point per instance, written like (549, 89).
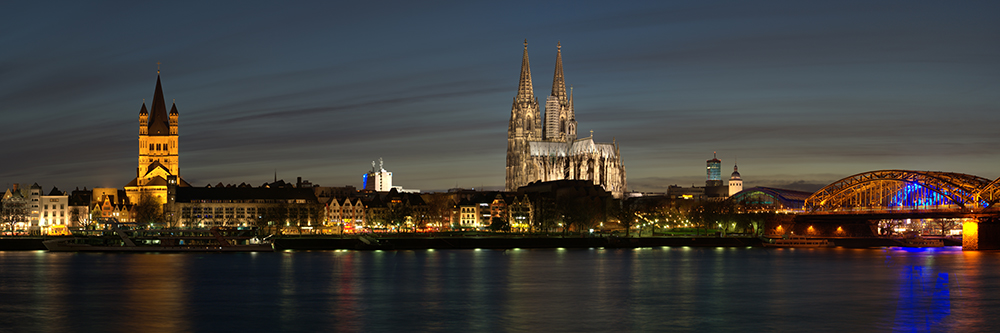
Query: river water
(549, 290)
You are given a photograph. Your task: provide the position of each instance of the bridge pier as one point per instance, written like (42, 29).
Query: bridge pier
(981, 234)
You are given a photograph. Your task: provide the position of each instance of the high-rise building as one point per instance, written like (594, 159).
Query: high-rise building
(378, 180)
(158, 150)
(714, 171)
(735, 181)
(553, 152)
(713, 184)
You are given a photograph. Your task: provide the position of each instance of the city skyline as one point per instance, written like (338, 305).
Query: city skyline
(800, 94)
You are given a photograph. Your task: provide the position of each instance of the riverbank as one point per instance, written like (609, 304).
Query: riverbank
(417, 243)
(23, 243)
(405, 242)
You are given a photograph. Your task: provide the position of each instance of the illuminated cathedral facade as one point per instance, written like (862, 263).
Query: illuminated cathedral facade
(548, 149)
(158, 150)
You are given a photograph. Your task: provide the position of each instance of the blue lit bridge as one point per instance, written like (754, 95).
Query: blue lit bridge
(880, 202)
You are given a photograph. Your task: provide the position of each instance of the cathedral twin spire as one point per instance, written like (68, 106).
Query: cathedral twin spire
(560, 121)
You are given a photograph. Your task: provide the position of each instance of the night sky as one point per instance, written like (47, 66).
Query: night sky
(802, 94)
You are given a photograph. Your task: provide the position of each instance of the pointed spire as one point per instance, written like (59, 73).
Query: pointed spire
(159, 124)
(143, 112)
(173, 109)
(558, 81)
(571, 97)
(525, 92)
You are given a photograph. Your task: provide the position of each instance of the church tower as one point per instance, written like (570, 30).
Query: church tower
(560, 121)
(525, 125)
(735, 181)
(158, 149)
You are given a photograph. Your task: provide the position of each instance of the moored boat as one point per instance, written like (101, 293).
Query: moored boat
(798, 241)
(920, 242)
(117, 239)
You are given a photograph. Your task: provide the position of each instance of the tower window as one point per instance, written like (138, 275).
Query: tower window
(157, 146)
(150, 146)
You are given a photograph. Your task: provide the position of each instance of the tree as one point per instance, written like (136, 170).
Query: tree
(499, 224)
(148, 210)
(624, 210)
(396, 214)
(944, 225)
(438, 208)
(709, 214)
(546, 213)
(13, 212)
(274, 217)
(581, 212)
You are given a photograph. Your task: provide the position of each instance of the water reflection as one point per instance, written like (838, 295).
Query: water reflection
(659, 289)
(924, 300)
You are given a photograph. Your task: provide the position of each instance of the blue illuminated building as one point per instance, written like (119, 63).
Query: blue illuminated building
(714, 172)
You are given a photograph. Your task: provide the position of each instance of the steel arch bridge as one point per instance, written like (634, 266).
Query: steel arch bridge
(905, 190)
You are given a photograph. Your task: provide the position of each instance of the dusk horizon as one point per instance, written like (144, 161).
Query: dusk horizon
(800, 95)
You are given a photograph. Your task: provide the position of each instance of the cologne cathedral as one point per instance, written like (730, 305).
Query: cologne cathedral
(548, 149)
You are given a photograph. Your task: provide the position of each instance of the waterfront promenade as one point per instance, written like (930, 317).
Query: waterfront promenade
(488, 241)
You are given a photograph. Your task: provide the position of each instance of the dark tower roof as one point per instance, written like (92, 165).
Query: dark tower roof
(159, 124)
(143, 112)
(173, 109)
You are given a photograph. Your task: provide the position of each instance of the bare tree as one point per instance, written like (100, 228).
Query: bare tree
(148, 211)
(13, 213)
(624, 210)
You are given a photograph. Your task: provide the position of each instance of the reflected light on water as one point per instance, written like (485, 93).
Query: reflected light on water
(649, 289)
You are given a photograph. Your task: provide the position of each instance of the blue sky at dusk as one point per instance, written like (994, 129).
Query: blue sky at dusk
(801, 93)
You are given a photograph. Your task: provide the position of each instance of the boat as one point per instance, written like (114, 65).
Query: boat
(119, 238)
(920, 242)
(798, 241)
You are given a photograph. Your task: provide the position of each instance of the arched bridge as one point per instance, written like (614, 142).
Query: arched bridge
(888, 191)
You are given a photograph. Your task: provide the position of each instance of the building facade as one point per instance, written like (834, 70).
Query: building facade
(54, 209)
(158, 149)
(15, 211)
(552, 151)
(714, 188)
(735, 181)
(378, 180)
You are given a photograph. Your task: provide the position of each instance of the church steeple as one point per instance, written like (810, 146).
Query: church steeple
(525, 92)
(558, 81)
(525, 125)
(159, 124)
(158, 150)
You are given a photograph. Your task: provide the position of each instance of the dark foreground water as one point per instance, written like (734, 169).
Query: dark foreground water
(595, 290)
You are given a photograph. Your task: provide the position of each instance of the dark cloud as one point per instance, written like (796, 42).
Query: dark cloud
(802, 93)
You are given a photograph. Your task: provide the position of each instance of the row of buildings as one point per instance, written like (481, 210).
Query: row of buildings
(286, 207)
